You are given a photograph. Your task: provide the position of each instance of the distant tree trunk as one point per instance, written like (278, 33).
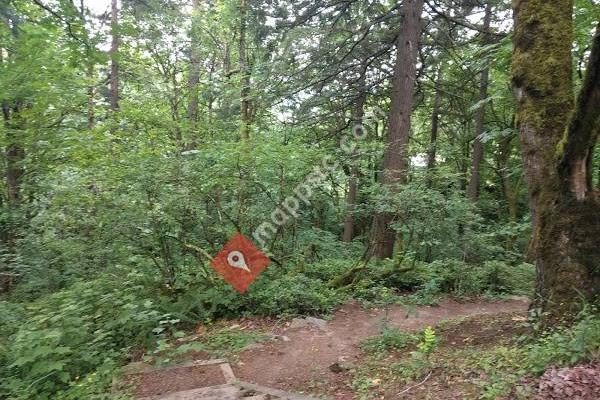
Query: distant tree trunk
(114, 50)
(15, 154)
(348, 234)
(508, 189)
(90, 96)
(193, 77)
(357, 121)
(474, 181)
(90, 70)
(435, 121)
(245, 113)
(395, 161)
(565, 210)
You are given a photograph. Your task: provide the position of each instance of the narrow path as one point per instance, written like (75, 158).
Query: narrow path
(298, 360)
(304, 357)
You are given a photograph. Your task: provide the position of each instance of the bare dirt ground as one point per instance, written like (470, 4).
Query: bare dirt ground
(303, 363)
(300, 359)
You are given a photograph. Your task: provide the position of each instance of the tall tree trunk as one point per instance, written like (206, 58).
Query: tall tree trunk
(114, 50)
(90, 95)
(245, 113)
(474, 181)
(90, 70)
(565, 210)
(15, 154)
(435, 122)
(395, 161)
(357, 121)
(193, 77)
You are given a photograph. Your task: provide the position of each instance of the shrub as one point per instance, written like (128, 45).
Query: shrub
(291, 294)
(566, 346)
(73, 335)
(390, 339)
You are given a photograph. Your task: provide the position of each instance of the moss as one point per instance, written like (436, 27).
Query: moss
(566, 233)
(567, 257)
(541, 64)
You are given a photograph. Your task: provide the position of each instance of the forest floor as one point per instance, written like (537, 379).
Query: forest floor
(325, 358)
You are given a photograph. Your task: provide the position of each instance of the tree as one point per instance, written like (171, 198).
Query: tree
(193, 74)
(395, 161)
(114, 54)
(356, 121)
(245, 112)
(557, 140)
(477, 158)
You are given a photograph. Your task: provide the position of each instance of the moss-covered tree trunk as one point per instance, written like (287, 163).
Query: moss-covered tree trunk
(557, 139)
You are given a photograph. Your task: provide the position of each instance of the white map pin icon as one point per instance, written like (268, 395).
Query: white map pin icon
(236, 259)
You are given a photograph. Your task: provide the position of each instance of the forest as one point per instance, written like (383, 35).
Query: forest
(273, 199)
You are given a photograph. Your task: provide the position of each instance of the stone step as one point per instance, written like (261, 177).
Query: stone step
(221, 392)
(238, 391)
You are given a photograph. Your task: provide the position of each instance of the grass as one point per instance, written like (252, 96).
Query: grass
(390, 339)
(483, 357)
(223, 343)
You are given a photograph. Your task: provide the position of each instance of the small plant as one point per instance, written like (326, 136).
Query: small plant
(389, 339)
(428, 342)
(231, 341)
(363, 386)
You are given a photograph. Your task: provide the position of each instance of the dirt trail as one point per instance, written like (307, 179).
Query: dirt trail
(299, 358)
(303, 359)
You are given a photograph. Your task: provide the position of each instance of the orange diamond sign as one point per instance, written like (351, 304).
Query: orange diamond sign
(239, 262)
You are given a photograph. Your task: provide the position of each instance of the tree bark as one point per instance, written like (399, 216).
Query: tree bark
(114, 50)
(245, 112)
(15, 154)
(565, 211)
(357, 121)
(435, 122)
(508, 189)
(395, 161)
(474, 181)
(193, 78)
(90, 70)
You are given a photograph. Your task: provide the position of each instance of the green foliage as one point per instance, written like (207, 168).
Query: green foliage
(390, 339)
(460, 278)
(96, 257)
(218, 344)
(566, 346)
(427, 282)
(73, 336)
(291, 294)
(428, 342)
(505, 366)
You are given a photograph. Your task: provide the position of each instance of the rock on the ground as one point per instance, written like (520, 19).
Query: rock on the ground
(254, 346)
(283, 338)
(308, 322)
(136, 368)
(340, 367)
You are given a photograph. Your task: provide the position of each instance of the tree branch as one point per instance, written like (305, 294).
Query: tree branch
(584, 127)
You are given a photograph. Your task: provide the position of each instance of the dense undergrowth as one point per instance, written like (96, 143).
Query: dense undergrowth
(67, 345)
(505, 365)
